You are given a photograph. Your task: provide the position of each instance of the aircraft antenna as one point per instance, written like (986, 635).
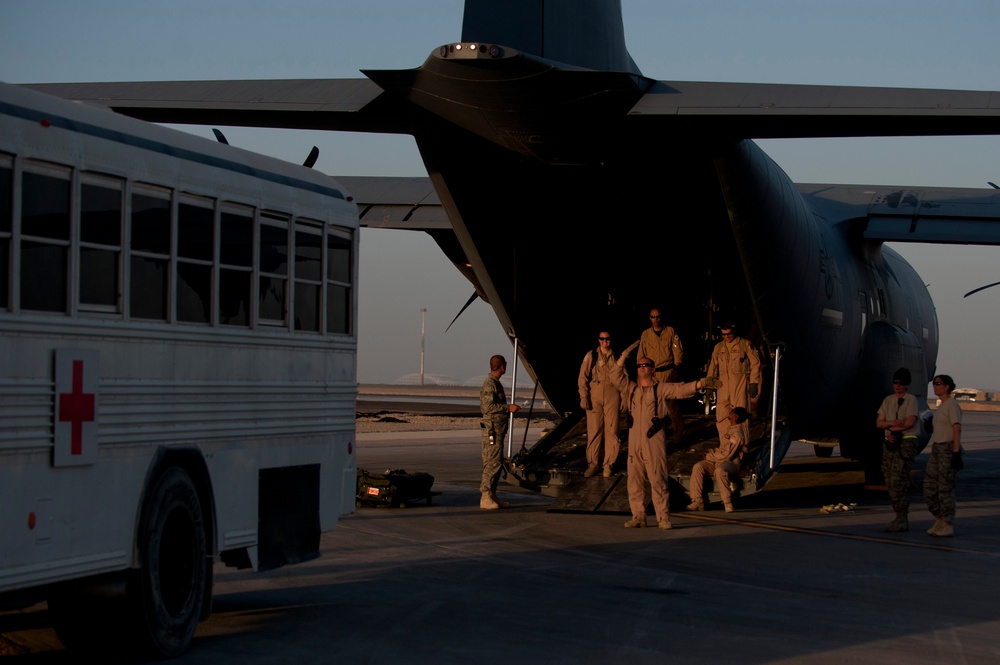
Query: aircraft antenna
(219, 136)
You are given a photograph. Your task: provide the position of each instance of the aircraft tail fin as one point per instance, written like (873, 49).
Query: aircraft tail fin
(584, 33)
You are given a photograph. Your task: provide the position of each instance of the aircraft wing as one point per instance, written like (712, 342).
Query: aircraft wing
(322, 104)
(397, 203)
(756, 110)
(411, 204)
(954, 215)
(721, 110)
(917, 214)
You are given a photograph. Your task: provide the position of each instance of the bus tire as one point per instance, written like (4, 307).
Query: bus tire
(166, 592)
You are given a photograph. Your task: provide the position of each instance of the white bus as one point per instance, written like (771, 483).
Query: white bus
(177, 367)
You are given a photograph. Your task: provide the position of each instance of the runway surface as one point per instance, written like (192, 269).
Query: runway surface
(778, 581)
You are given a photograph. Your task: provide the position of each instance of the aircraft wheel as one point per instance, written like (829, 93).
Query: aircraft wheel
(823, 451)
(165, 594)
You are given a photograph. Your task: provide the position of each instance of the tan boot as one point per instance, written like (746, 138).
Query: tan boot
(728, 507)
(591, 470)
(636, 523)
(487, 502)
(898, 525)
(946, 530)
(696, 505)
(933, 531)
(500, 502)
(607, 471)
(665, 524)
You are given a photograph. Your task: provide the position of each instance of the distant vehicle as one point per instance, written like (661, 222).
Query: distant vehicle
(177, 367)
(967, 394)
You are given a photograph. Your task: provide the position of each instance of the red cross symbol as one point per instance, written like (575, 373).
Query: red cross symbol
(76, 408)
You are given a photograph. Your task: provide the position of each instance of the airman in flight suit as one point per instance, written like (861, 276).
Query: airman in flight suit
(599, 397)
(646, 401)
(662, 345)
(722, 463)
(736, 364)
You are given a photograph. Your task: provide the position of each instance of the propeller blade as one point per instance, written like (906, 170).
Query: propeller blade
(219, 136)
(311, 159)
(980, 289)
(464, 307)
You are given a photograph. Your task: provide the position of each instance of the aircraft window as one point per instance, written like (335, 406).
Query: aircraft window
(273, 266)
(195, 252)
(45, 220)
(6, 217)
(308, 276)
(101, 214)
(150, 254)
(236, 257)
(339, 246)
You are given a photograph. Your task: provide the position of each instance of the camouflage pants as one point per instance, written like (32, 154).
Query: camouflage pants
(896, 468)
(493, 454)
(939, 482)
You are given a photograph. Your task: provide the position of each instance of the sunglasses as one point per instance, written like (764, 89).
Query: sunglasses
(604, 339)
(644, 365)
(897, 382)
(938, 383)
(656, 317)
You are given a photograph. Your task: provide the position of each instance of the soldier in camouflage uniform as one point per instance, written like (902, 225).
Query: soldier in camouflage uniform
(898, 417)
(493, 403)
(946, 459)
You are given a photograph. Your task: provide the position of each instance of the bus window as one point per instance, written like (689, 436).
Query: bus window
(195, 254)
(308, 275)
(150, 253)
(99, 268)
(339, 246)
(273, 269)
(6, 224)
(236, 259)
(45, 196)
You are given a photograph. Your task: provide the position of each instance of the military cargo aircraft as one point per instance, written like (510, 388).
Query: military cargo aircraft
(537, 127)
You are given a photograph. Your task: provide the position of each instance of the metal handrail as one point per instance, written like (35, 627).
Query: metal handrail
(774, 403)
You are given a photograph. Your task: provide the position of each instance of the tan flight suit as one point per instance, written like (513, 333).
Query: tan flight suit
(737, 365)
(723, 463)
(647, 456)
(664, 350)
(602, 401)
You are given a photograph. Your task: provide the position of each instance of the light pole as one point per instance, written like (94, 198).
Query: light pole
(423, 310)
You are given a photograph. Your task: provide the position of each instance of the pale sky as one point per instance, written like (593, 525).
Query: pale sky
(905, 43)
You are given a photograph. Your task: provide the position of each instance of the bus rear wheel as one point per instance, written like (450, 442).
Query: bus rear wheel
(166, 594)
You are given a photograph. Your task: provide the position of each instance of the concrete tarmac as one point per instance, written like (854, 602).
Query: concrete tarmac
(778, 581)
